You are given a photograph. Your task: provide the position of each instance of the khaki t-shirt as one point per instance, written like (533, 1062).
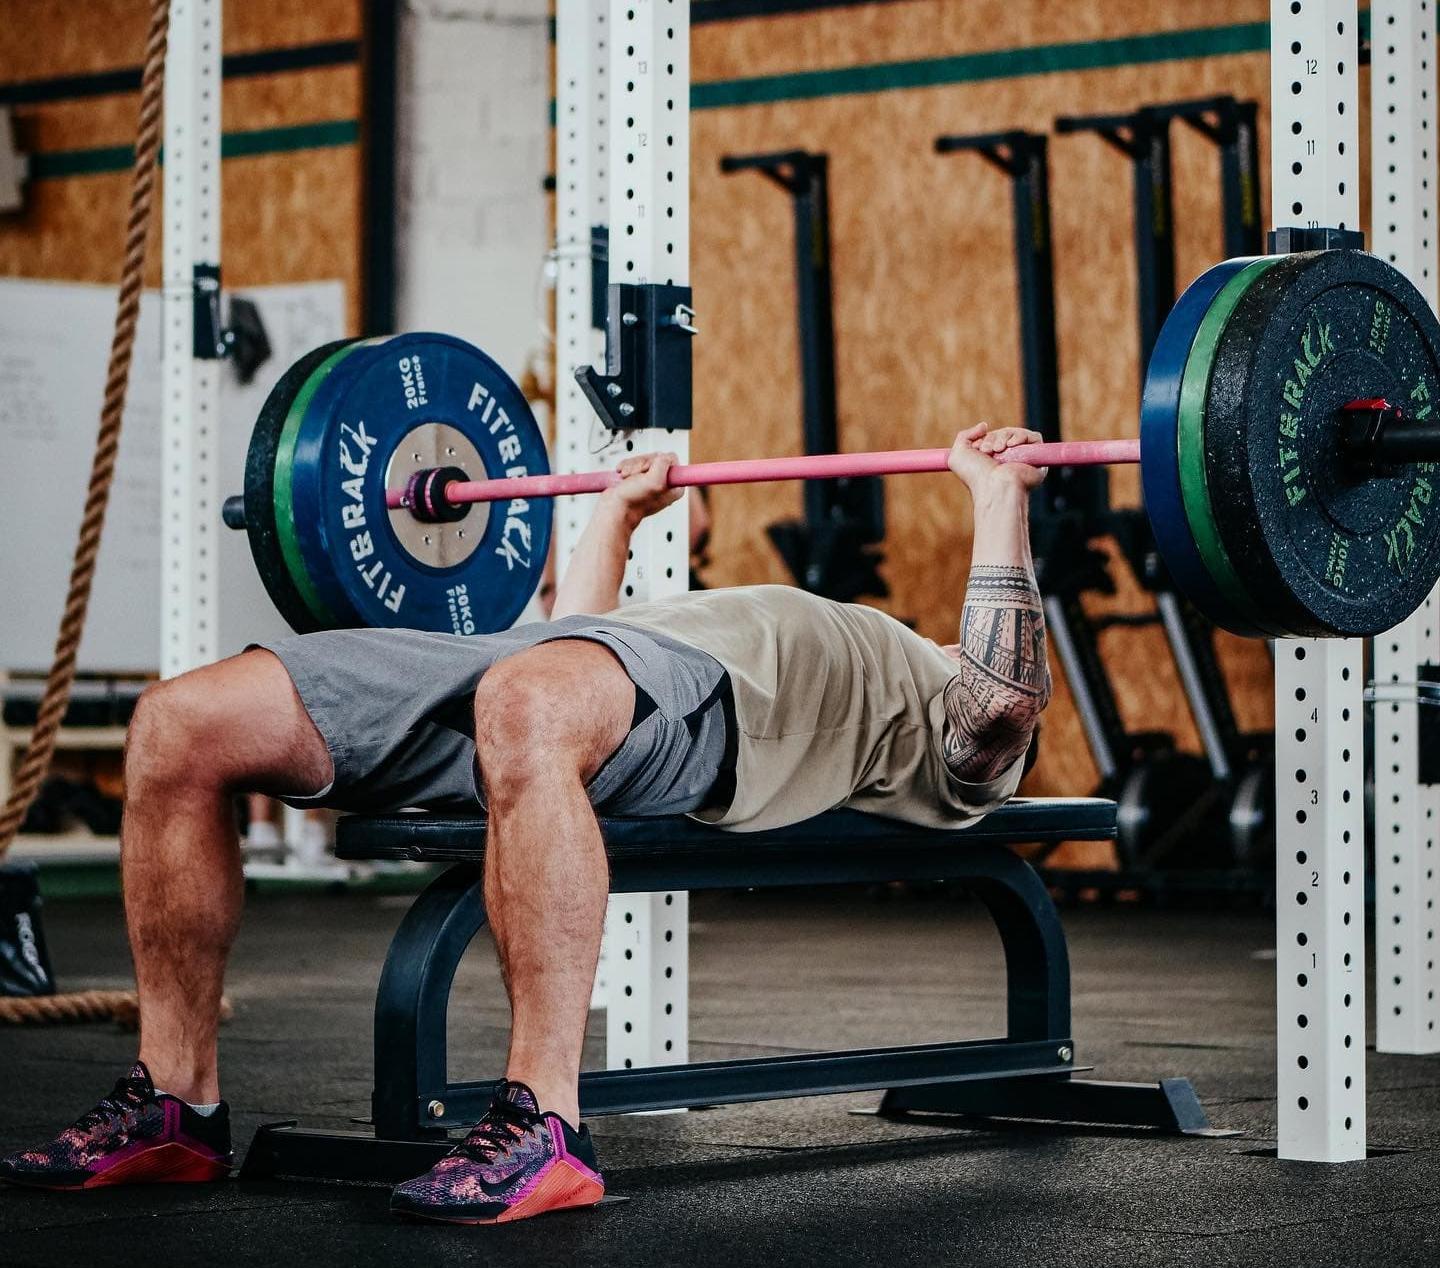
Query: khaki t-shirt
(836, 704)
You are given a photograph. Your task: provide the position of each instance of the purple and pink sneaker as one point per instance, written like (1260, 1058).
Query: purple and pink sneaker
(135, 1135)
(516, 1162)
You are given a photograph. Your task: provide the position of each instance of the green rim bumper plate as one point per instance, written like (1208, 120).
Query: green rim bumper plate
(388, 408)
(300, 564)
(1160, 449)
(261, 527)
(1190, 438)
(1332, 548)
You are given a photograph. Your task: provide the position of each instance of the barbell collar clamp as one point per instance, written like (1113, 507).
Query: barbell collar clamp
(426, 495)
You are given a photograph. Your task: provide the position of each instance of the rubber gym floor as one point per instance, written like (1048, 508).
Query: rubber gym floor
(1157, 993)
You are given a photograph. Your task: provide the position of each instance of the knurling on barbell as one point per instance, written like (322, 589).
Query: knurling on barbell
(408, 483)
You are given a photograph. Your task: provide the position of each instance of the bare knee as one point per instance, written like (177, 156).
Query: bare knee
(237, 726)
(549, 714)
(170, 726)
(519, 725)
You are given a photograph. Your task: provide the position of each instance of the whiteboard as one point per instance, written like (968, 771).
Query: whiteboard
(54, 343)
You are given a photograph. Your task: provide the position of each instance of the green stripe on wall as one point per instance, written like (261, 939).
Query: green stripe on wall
(968, 68)
(302, 136)
(118, 158)
(115, 158)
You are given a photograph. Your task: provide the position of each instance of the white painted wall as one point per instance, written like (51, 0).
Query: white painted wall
(474, 107)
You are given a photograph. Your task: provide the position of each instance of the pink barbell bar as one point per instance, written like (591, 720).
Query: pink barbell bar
(828, 466)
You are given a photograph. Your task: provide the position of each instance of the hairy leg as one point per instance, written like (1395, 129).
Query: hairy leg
(546, 720)
(194, 743)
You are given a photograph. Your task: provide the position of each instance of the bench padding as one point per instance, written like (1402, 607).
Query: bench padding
(436, 838)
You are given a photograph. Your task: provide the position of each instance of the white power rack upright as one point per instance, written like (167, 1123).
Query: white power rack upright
(190, 505)
(1319, 699)
(1403, 212)
(623, 143)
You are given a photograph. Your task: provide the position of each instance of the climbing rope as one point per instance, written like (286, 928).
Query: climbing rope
(89, 1005)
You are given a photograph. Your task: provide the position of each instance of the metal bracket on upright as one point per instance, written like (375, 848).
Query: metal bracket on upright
(243, 341)
(212, 341)
(647, 379)
(1293, 238)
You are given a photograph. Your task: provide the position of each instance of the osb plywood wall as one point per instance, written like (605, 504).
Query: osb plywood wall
(290, 204)
(925, 309)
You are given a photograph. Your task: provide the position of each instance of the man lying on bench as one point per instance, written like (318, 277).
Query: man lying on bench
(750, 708)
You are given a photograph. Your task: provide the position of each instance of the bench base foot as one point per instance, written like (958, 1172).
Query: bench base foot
(290, 1152)
(287, 1151)
(1169, 1105)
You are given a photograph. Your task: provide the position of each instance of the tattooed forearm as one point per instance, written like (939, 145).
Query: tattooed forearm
(993, 703)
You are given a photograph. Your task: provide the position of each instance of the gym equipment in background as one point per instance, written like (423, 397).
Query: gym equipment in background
(1169, 805)
(24, 961)
(1234, 759)
(832, 551)
(1143, 136)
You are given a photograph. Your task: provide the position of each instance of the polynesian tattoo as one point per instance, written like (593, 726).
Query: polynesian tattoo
(993, 703)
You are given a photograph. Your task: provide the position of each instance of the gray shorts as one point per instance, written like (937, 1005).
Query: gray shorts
(396, 710)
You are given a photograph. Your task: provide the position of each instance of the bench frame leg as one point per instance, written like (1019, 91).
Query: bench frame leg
(1028, 1073)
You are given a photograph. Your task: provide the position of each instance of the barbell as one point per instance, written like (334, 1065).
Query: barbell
(440, 493)
(1286, 455)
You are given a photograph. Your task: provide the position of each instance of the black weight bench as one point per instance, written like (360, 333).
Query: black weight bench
(1029, 1073)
